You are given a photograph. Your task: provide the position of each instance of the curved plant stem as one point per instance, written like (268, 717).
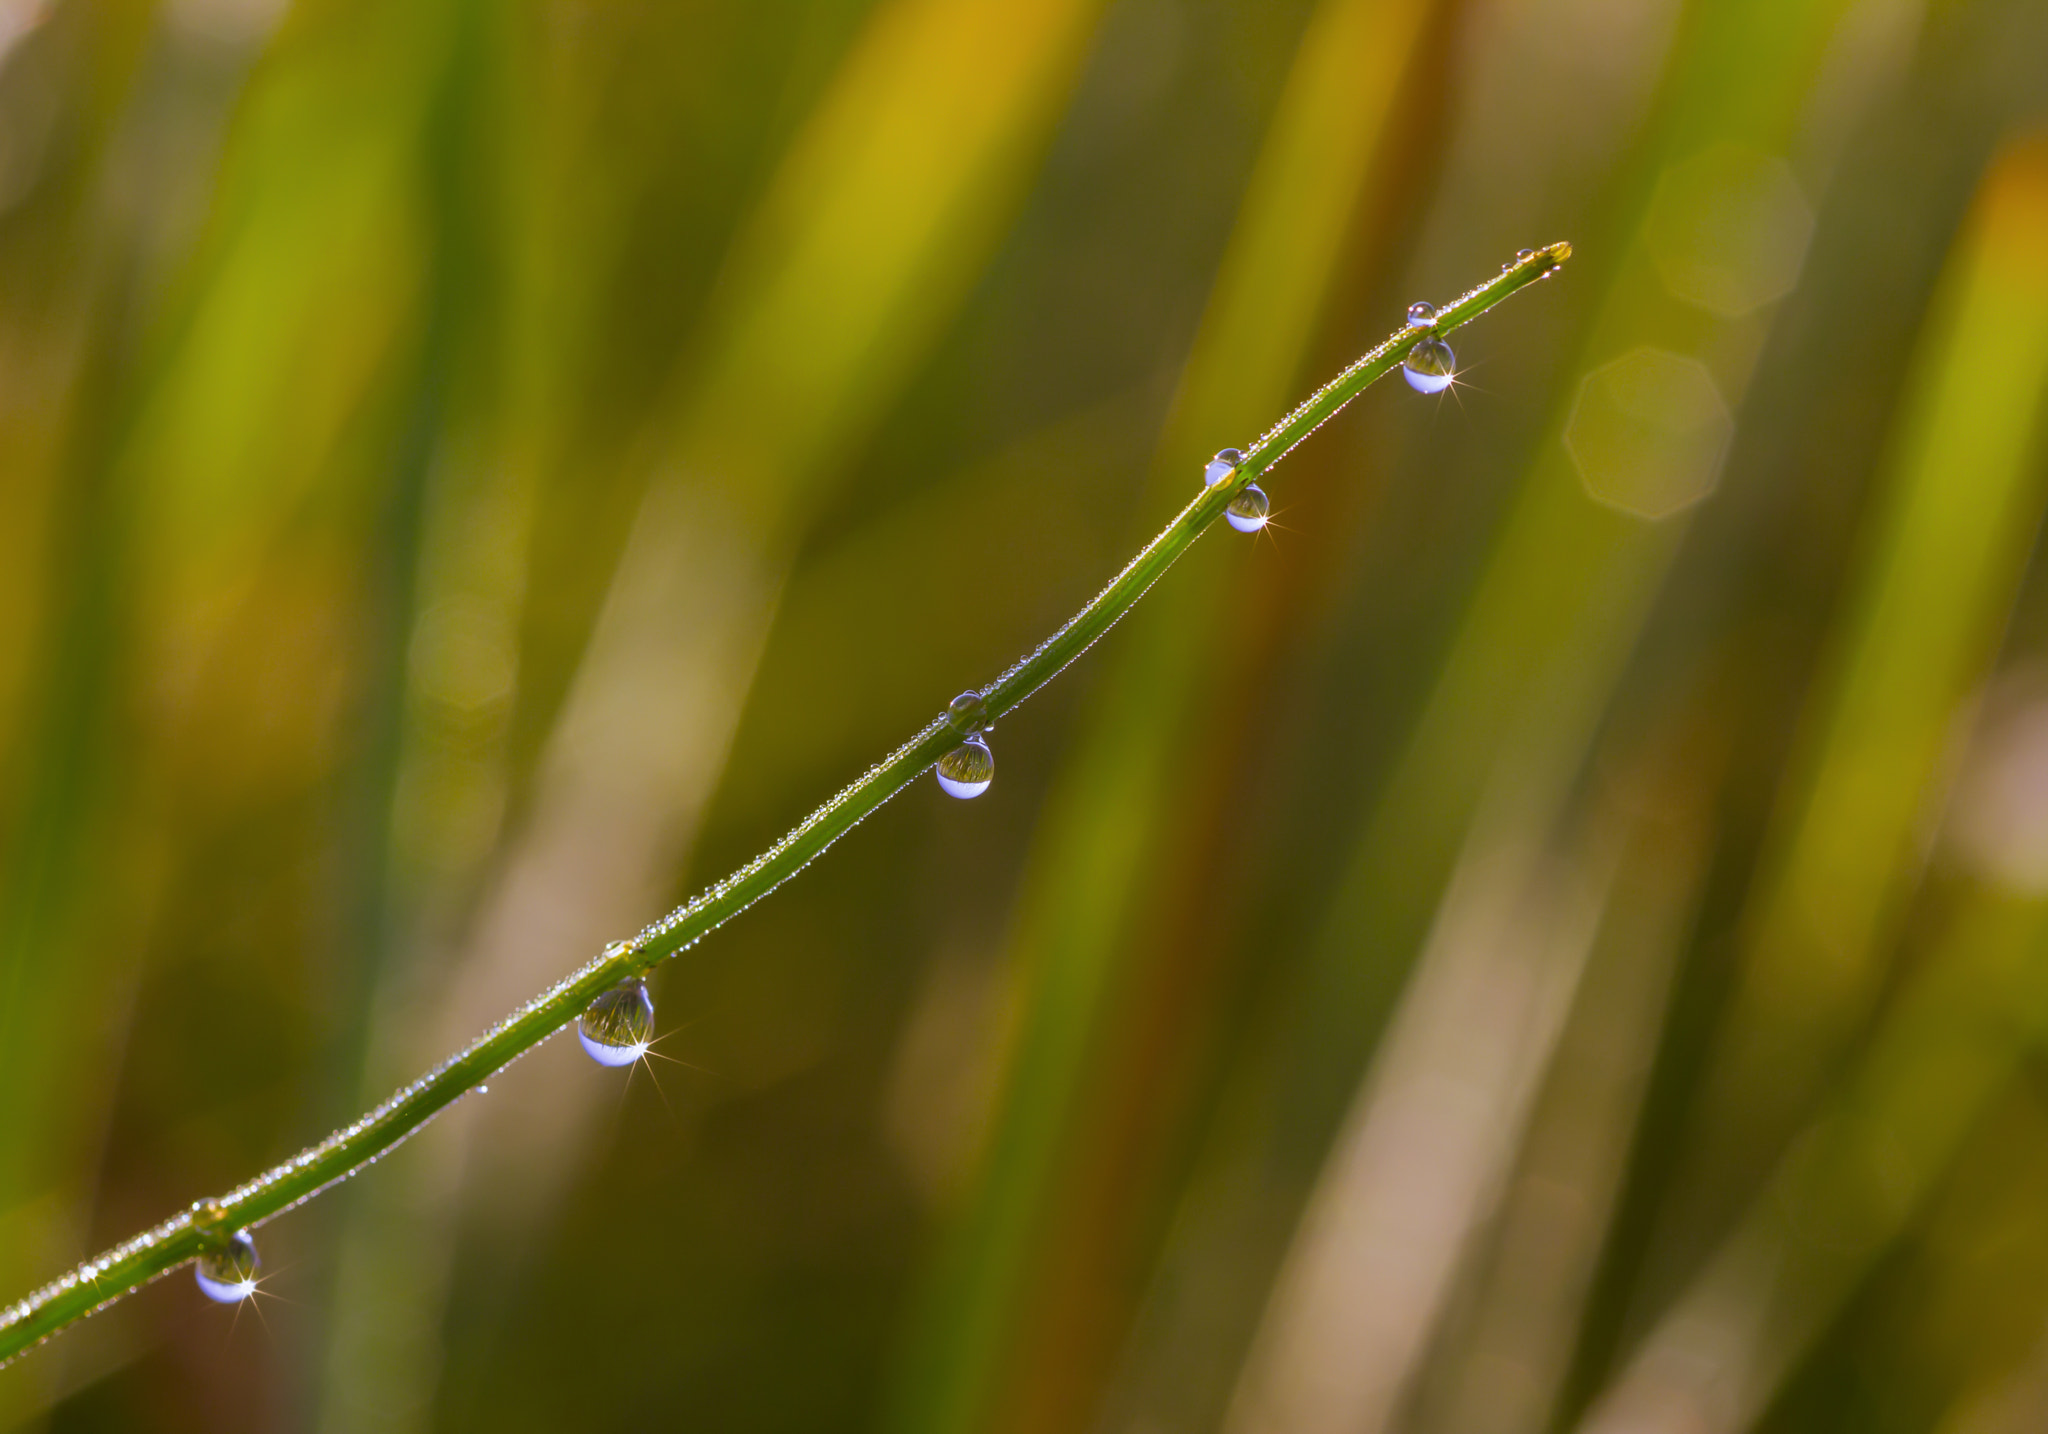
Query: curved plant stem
(209, 1224)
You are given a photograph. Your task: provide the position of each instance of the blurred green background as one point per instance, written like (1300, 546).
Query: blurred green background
(1554, 937)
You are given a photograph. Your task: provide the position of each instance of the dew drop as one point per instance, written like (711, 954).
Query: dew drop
(618, 1026)
(1247, 511)
(967, 770)
(967, 713)
(1523, 256)
(1221, 466)
(1421, 314)
(229, 1275)
(1429, 366)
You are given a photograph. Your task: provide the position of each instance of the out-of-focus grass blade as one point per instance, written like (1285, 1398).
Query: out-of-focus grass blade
(1037, 1283)
(877, 221)
(887, 204)
(1552, 617)
(1955, 528)
(204, 620)
(831, 296)
(1383, 1237)
(66, 395)
(1849, 1184)
(1505, 1362)
(1580, 559)
(1948, 540)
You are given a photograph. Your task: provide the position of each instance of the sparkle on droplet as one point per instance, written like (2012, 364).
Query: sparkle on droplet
(618, 1026)
(967, 770)
(1247, 511)
(967, 713)
(1421, 314)
(1429, 366)
(229, 1274)
(1221, 466)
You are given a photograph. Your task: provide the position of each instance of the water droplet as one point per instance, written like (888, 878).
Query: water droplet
(967, 770)
(618, 1026)
(1421, 314)
(1429, 366)
(229, 1275)
(1523, 256)
(1222, 466)
(967, 713)
(1247, 511)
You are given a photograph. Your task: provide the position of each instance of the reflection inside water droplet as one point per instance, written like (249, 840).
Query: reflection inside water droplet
(1429, 366)
(618, 1026)
(229, 1274)
(967, 770)
(1421, 314)
(1221, 466)
(1247, 511)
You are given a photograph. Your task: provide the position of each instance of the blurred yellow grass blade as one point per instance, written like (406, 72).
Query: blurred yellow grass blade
(1955, 529)
(1946, 546)
(310, 269)
(1323, 154)
(890, 199)
(1036, 1285)
(212, 630)
(831, 302)
(1571, 578)
(879, 218)
(1581, 555)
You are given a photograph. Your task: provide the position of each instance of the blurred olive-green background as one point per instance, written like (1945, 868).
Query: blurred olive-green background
(1553, 936)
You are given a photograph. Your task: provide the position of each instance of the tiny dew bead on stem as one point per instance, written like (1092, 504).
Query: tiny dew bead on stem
(215, 1230)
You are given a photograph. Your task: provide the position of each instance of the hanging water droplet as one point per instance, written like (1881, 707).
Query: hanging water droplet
(1221, 466)
(1523, 256)
(1429, 366)
(1421, 314)
(967, 770)
(618, 1026)
(1247, 511)
(967, 713)
(229, 1274)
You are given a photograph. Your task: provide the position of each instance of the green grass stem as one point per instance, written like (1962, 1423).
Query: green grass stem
(209, 1223)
